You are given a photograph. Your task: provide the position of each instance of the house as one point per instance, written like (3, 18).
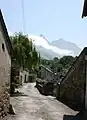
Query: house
(5, 68)
(23, 77)
(46, 81)
(46, 73)
(73, 87)
(84, 13)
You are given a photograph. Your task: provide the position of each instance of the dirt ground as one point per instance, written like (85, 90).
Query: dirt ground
(31, 105)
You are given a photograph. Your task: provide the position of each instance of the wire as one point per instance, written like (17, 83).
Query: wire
(23, 16)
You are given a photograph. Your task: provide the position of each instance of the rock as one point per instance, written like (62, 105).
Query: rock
(11, 110)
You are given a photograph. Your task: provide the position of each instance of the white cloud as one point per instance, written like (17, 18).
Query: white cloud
(39, 41)
(10, 33)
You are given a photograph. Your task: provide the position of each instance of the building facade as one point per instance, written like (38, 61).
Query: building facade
(5, 68)
(23, 77)
(46, 73)
(72, 89)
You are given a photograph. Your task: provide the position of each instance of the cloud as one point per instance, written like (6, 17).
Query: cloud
(10, 33)
(39, 41)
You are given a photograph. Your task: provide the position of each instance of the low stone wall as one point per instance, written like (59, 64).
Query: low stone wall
(45, 87)
(4, 105)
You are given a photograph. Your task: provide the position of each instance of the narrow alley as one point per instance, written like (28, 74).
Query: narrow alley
(31, 105)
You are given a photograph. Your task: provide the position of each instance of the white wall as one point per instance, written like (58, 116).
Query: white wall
(23, 73)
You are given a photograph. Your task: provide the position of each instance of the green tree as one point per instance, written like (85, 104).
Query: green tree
(56, 59)
(34, 57)
(24, 52)
(39, 59)
(66, 61)
(59, 65)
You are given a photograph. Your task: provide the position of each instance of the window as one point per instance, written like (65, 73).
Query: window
(25, 78)
(3, 47)
(39, 68)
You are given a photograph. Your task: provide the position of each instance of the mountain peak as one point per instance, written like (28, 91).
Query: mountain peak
(44, 38)
(63, 44)
(56, 48)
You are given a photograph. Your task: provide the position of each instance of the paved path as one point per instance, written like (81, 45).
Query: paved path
(34, 106)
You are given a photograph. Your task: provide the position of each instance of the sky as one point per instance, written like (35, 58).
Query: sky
(54, 19)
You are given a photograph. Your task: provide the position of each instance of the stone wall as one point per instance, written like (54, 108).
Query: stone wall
(4, 104)
(72, 87)
(5, 72)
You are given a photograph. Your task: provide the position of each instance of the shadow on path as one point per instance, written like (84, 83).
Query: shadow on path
(80, 116)
(18, 94)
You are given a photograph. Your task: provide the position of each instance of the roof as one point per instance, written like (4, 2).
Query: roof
(84, 51)
(46, 68)
(84, 13)
(5, 34)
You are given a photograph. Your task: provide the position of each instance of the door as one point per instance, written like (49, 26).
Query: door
(25, 78)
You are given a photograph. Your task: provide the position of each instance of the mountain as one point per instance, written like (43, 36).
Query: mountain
(46, 53)
(62, 44)
(59, 48)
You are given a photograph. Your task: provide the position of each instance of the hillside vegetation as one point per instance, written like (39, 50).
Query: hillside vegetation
(59, 65)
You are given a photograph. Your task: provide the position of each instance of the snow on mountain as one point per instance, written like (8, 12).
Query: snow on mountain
(41, 41)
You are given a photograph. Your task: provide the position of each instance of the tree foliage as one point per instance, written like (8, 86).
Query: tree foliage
(25, 53)
(24, 56)
(59, 65)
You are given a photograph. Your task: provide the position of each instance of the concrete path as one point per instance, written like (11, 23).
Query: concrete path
(34, 106)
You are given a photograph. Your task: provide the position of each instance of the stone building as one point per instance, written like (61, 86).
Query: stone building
(47, 82)
(5, 68)
(72, 89)
(46, 73)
